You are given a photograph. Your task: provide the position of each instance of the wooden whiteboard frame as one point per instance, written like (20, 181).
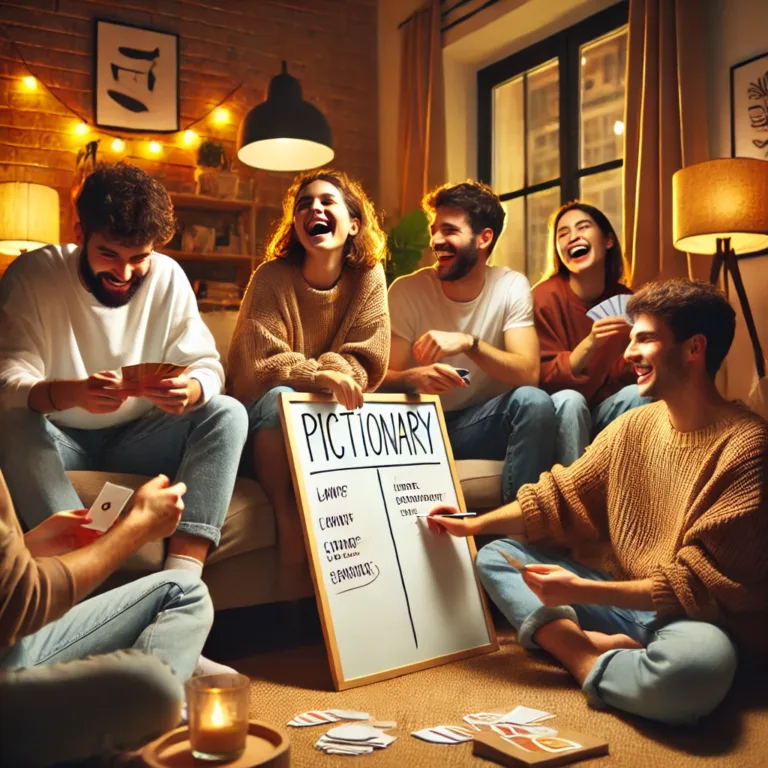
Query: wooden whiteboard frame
(339, 682)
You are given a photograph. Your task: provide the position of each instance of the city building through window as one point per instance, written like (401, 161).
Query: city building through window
(550, 130)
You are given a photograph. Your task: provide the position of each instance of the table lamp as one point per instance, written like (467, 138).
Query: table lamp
(29, 218)
(720, 207)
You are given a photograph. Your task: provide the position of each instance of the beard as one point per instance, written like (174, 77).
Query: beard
(464, 260)
(95, 283)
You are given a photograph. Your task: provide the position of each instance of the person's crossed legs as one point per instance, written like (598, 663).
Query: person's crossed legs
(106, 676)
(200, 448)
(674, 672)
(518, 427)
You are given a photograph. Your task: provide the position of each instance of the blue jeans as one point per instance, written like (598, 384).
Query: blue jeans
(201, 448)
(577, 425)
(518, 427)
(264, 413)
(72, 690)
(683, 672)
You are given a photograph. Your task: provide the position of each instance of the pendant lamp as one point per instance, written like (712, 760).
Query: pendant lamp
(285, 133)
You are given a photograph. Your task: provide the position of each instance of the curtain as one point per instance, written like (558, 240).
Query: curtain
(421, 128)
(666, 129)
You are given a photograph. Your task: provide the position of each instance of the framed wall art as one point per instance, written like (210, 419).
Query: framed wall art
(749, 108)
(136, 78)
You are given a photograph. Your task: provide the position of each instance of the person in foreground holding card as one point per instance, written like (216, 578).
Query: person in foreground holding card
(70, 318)
(314, 319)
(464, 313)
(678, 490)
(582, 363)
(80, 679)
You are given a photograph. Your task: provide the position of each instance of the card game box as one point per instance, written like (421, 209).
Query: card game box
(517, 745)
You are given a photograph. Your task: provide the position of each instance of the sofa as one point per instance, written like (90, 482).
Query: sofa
(244, 570)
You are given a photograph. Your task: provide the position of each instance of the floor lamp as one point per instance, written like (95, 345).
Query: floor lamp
(721, 207)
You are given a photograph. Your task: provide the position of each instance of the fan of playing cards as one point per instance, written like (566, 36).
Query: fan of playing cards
(616, 306)
(141, 376)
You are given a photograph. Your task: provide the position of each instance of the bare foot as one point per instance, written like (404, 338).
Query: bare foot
(604, 642)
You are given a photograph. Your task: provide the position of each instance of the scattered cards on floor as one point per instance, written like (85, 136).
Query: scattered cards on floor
(324, 716)
(616, 306)
(353, 739)
(444, 734)
(523, 749)
(108, 505)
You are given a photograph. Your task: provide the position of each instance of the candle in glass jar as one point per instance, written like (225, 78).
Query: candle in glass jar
(217, 734)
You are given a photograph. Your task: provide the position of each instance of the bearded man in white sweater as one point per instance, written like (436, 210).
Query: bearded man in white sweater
(70, 318)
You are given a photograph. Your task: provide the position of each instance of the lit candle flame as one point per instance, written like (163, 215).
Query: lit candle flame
(218, 716)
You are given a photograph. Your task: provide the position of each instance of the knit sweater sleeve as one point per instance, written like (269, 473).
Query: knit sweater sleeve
(260, 356)
(721, 568)
(555, 354)
(569, 504)
(33, 591)
(364, 351)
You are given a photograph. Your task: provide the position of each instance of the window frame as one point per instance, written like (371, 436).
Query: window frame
(565, 47)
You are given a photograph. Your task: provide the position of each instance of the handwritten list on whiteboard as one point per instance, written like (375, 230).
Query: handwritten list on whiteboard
(396, 593)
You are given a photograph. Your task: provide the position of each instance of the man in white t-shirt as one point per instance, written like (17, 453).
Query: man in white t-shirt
(463, 313)
(70, 318)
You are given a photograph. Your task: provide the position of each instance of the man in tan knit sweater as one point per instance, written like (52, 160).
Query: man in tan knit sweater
(678, 490)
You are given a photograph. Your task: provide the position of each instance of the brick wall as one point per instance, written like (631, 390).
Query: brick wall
(330, 46)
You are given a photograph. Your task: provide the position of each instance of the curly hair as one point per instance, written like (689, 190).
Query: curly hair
(690, 308)
(123, 202)
(481, 204)
(365, 249)
(615, 264)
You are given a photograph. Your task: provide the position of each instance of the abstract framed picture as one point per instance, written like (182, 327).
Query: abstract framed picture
(136, 78)
(749, 108)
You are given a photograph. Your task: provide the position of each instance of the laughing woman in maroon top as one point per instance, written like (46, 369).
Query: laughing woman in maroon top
(582, 363)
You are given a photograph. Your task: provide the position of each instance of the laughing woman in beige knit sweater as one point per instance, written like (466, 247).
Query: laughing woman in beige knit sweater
(314, 319)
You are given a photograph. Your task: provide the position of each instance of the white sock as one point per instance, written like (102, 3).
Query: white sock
(184, 563)
(208, 667)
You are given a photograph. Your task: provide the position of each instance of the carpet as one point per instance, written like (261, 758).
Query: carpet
(287, 682)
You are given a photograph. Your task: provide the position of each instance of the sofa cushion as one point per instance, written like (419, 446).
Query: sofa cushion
(221, 324)
(480, 482)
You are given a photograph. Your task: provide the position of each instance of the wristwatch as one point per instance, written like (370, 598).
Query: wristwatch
(475, 344)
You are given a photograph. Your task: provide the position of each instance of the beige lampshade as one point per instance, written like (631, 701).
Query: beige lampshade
(29, 217)
(721, 198)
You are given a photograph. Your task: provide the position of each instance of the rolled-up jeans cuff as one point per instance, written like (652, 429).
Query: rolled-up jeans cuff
(203, 530)
(539, 618)
(594, 677)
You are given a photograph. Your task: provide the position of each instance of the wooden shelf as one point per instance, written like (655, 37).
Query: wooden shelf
(216, 256)
(204, 202)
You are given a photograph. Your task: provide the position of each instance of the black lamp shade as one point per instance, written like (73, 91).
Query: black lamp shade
(285, 133)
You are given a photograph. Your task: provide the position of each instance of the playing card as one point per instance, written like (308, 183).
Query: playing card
(355, 733)
(313, 717)
(142, 375)
(525, 716)
(108, 505)
(444, 734)
(597, 312)
(615, 306)
(513, 561)
(482, 718)
(348, 714)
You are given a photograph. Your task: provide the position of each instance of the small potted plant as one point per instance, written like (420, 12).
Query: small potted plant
(213, 174)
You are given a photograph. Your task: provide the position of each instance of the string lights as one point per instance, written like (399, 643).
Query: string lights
(189, 138)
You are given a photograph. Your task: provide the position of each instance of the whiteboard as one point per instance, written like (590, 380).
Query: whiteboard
(394, 597)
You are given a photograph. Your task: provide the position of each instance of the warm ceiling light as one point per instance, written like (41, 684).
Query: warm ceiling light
(30, 82)
(118, 145)
(220, 115)
(190, 137)
(81, 129)
(618, 127)
(155, 147)
(285, 133)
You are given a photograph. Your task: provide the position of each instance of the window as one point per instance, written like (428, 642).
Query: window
(550, 130)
